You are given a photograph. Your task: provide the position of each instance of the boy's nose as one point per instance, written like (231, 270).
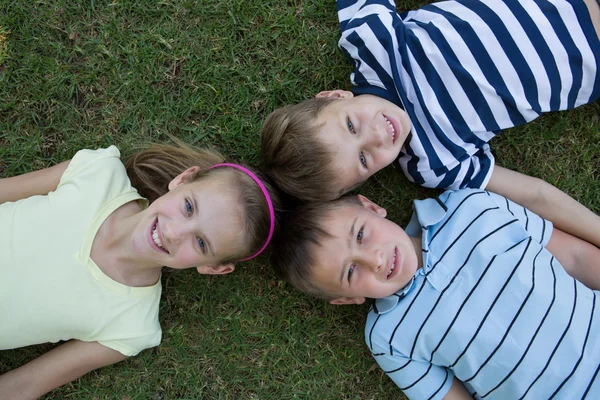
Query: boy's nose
(377, 137)
(373, 258)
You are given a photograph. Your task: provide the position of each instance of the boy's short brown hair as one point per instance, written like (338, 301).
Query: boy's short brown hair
(292, 155)
(301, 231)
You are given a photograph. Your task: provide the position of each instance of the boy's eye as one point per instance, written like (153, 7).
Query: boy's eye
(359, 236)
(200, 243)
(350, 126)
(188, 207)
(350, 272)
(363, 159)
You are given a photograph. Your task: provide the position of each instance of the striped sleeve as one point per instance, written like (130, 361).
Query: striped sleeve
(473, 172)
(539, 228)
(417, 379)
(369, 41)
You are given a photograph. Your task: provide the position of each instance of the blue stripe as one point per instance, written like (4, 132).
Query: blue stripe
(575, 57)
(369, 59)
(514, 55)
(485, 63)
(485, 163)
(470, 87)
(543, 50)
(444, 98)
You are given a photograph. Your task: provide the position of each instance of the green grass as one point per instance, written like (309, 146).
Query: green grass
(77, 74)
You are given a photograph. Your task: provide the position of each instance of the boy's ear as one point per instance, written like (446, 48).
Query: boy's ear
(182, 177)
(344, 301)
(368, 204)
(335, 94)
(214, 269)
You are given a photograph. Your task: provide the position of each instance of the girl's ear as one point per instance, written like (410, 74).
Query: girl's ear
(368, 204)
(344, 301)
(214, 269)
(335, 94)
(182, 177)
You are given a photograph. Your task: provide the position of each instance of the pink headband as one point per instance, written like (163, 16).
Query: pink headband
(267, 198)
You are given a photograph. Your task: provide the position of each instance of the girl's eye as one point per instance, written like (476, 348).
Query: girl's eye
(188, 207)
(363, 159)
(350, 272)
(350, 126)
(359, 236)
(200, 243)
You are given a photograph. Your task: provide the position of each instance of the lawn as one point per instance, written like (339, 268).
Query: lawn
(85, 74)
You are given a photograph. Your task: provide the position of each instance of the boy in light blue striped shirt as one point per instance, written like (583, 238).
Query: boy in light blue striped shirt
(431, 88)
(478, 297)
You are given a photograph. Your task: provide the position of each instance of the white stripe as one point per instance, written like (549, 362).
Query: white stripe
(468, 60)
(557, 49)
(589, 68)
(449, 81)
(360, 65)
(524, 44)
(496, 52)
(350, 12)
(431, 103)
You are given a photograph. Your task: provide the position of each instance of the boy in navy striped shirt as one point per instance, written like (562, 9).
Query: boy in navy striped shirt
(431, 88)
(477, 298)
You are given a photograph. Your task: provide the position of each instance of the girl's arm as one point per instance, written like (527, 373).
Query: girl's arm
(27, 185)
(580, 259)
(457, 392)
(547, 201)
(55, 368)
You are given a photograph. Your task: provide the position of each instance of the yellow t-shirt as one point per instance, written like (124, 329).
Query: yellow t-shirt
(50, 289)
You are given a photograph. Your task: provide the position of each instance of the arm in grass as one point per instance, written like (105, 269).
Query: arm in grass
(580, 259)
(55, 368)
(27, 185)
(547, 201)
(457, 392)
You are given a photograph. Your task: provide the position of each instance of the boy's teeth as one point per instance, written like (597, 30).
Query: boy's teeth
(156, 238)
(393, 263)
(391, 126)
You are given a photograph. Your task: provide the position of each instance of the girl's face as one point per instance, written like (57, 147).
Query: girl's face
(195, 224)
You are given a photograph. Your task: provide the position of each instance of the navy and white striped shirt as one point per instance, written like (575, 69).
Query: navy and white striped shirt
(490, 306)
(464, 70)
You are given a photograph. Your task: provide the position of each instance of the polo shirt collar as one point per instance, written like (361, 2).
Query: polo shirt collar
(426, 213)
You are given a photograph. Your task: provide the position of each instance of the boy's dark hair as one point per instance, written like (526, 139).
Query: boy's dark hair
(301, 231)
(293, 157)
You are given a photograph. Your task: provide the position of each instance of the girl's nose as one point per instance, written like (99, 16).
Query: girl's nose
(176, 232)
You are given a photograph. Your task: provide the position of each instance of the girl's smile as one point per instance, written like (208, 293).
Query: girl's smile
(155, 238)
(182, 230)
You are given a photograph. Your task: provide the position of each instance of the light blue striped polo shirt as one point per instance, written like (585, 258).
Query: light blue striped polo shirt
(491, 306)
(464, 70)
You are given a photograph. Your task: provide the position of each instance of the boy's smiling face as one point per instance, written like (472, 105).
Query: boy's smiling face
(367, 255)
(364, 133)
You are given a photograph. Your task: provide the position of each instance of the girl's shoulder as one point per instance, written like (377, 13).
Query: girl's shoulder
(92, 160)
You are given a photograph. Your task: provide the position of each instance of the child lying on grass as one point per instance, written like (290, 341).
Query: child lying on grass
(431, 88)
(477, 298)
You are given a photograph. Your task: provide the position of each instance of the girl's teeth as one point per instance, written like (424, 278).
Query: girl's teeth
(156, 238)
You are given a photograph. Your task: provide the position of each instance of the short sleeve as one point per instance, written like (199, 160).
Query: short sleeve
(473, 172)
(133, 346)
(417, 379)
(539, 228)
(369, 41)
(83, 158)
